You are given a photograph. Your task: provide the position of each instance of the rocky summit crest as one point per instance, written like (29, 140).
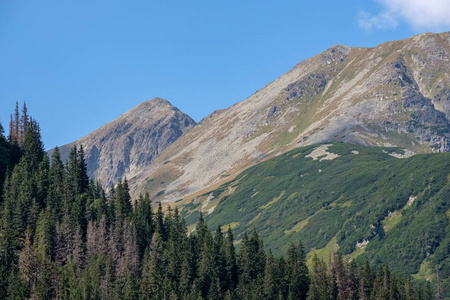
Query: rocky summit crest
(396, 94)
(131, 142)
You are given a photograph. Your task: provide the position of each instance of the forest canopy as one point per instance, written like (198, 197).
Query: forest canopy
(63, 236)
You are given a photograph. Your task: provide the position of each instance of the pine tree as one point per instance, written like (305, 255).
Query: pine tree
(33, 148)
(206, 267)
(331, 289)
(83, 178)
(155, 269)
(64, 241)
(280, 278)
(69, 282)
(8, 245)
(92, 242)
(56, 196)
(44, 235)
(14, 126)
(130, 257)
(201, 230)
(231, 267)
(215, 291)
(28, 265)
(270, 288)
(252, 265)
(5, 159)
(297, 276)
(368, 278)
(122, 201)
(78, 251)
(173, 260)
(115, 242)
(130, 289)
(186, 274)
(146, 284)
(77, 172)
(102, 236)
(41, 183)
(319, 281)
(341, 277)
(23, 125)
(11, 137)
(220, 261)
(107, 280)
(45, 288)
(17, 288)
(143, 220)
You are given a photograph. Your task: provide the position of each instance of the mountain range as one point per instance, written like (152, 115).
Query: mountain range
(396, 94)
(341, 152)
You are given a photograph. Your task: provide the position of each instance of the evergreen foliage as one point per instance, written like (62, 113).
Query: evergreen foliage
(365, 202)
(63, 237)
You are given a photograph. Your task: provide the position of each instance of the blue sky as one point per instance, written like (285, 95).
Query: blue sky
(80, 64)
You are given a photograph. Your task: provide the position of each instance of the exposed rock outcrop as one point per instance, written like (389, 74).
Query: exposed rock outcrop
(132, 141)
(396, 94)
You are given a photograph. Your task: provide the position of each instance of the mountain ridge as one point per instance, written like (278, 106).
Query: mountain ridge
(395, 94)
(131, 141)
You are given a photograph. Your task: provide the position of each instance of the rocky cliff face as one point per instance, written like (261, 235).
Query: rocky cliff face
(132, 141)
(396, 94)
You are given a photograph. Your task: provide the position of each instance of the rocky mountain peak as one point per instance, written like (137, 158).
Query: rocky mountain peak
(395, 94)
(131, 142)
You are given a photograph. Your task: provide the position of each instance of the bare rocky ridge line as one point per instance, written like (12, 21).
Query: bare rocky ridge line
(132, 141)
(396, 94)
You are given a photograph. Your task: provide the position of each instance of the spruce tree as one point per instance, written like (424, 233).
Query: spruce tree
(83, 178)
(5, 159)
(143, 221)
(28, 265)
(14, 126)
(220, 261)
(33, 148)
(23, 125)
(159, 224)
(122, 201)
(146, 283)
(9, 244)
(154, 269)
(270, 288)
(130, 288)
(231, 267)
(56, 196)
(297, 276)
(206, 265)
(319, 281)
(44, 235)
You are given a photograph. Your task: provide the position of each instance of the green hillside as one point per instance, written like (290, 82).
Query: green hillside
(361, 201)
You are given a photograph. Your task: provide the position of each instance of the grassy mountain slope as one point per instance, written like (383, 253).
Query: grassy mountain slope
(361, 200)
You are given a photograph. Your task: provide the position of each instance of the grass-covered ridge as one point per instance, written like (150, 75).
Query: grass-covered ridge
(369, 203)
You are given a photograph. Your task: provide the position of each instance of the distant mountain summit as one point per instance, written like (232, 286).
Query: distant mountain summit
(131, 142)
(396, 94)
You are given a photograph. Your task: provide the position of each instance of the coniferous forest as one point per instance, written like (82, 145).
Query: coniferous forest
(63, 236)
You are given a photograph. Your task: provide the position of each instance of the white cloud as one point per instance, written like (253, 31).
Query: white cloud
(420, 14)
(382, 20)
